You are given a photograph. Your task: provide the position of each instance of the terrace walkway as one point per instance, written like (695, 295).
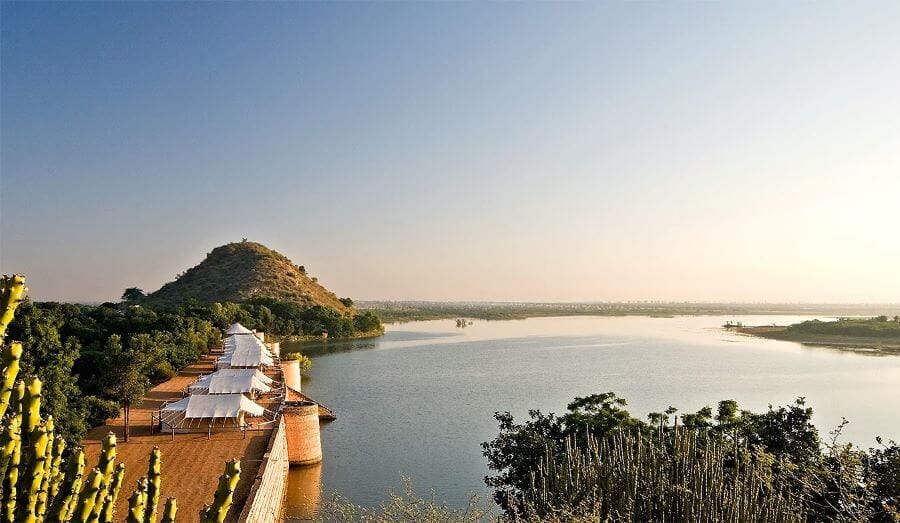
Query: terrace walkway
(191, 464)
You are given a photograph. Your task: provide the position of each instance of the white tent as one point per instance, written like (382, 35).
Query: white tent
(239, 372)
(214, 406)
(231, 382)
(237, 328)
(244, 351)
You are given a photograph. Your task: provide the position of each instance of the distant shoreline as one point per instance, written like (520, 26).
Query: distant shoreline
(394, 312)
(780, 332)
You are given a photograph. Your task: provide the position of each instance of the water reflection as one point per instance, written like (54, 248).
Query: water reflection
(304, 493)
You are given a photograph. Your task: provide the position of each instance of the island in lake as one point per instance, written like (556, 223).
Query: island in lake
(881, 333)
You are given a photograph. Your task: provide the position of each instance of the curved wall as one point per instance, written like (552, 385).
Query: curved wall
(301, 421)
(290, 372)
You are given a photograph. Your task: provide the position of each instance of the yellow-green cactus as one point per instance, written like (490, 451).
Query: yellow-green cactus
(54, 475)
(169, 511)
(9, 371)
(7, 443)
(88, 497)
(107, 465)
(228, 481)
(12, 289)
(11, 479)
(109, 503)
(154, 478)
(137, 503)
(67, 496)
(31, 408)
(37, 459)
(41, 505)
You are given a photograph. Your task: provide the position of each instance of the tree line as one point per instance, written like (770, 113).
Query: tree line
(96, 359)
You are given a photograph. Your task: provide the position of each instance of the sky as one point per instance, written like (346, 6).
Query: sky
(733, 151)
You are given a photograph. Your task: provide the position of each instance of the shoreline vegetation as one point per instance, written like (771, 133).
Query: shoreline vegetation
(879, 334)
(404, 311)
(596, 462)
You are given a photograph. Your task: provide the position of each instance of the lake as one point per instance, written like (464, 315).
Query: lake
(419, 401)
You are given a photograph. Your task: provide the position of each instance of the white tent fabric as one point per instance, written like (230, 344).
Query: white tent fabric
(245, 351)
(215, 406)
(237, 328)
(218, 383)
(203, 380)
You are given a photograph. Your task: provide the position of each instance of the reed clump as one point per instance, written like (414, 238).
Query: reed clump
(628, 476)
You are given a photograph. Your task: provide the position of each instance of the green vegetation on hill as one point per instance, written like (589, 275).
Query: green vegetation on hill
(238, 272)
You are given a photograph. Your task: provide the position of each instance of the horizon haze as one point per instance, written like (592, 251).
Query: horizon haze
(689, 152)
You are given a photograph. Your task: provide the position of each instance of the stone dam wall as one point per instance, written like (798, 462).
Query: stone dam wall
(266, 499)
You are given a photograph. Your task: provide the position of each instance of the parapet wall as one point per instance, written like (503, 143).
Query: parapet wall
(266, 499)
(301, 421)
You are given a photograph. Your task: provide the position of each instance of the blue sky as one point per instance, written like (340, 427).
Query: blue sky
(540, 151)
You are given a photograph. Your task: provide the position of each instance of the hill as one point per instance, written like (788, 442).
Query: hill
(237, 272)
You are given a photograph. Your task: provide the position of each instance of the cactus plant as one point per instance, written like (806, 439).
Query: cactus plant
(88, 496)
(154, 478)
(9, 371)
(228, 481)
(108, 511)
(169, 511)
(32, 481)
(31, 408)
(67, 496)
(54, 475)
(12, 289)
(11, 479)
(137, 502)
(106, 464)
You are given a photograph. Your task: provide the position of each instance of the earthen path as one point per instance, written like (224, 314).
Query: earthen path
(191, 464)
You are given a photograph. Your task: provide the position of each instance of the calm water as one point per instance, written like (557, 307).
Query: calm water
(419, 401)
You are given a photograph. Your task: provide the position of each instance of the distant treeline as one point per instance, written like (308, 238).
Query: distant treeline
(94, 359)
(400, 311)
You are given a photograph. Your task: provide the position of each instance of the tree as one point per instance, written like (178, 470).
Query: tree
(132, 295)
(348, 302)
(126, 376)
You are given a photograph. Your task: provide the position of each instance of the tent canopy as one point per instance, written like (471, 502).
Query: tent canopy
(237, 328)
(218, 383)
(215, 406)
(245, 351)
(256, 373)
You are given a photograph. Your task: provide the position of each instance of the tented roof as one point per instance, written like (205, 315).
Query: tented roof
(217, 383)
(245, 351)
(237, 328)
(256, 373)
(215, 406)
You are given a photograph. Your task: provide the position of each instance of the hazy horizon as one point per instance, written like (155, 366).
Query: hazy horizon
(693, 152)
